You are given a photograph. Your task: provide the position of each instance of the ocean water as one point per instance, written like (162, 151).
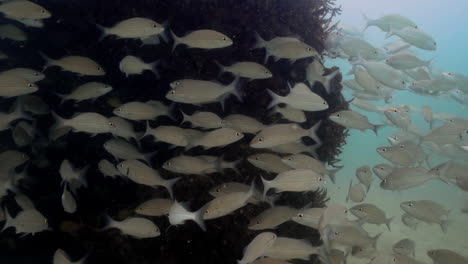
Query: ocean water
(76, 28)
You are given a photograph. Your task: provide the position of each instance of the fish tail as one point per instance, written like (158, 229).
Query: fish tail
(390, 33)
(169, 184)
(170, 111)
(198, 217)
(153, 67)
(234, 88)
(259, 41)
(387, 223)
(147, 130)
(328, 79)
(232, 165)
(59, 121)
(9, 220)
(332, 174)
(368, 22)
(176, 40)
(220, 66)
(374, 240)
(185, 117)
(82, 176)
(313, 132)
(275, 99)
(266, 187)
(444, 225)
(376, 128)
(47, 59)
(104, 32)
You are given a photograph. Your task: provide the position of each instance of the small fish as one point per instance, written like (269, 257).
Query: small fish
(135, 227)
(242, 123)
(108, 169)
(353, 47)
(315, 72)
(60, 257)
(449, 133)
(387, 22)
(366, 81)
(172, 135)
(68, 201)
(9, 31)
(155, 207)
(226, 204)
(450, 170)
(356, 192)
(202, 39)
(405, 247)
(268, 162)
(285, 248)
(352, 235)
(309, 217)
(123, 128)
(87, 91)
(24, 10)
(363, 252)
(405, 60)
(136, 27)
(266, 260)
(406, 178)
(138, 111)
(427, 115)
(29, 221)
(384, 73)
(366, 105)
(351, 119)
(334, 256)
(121, 149)
(364, 175)
(396, 46)
(141, 173)
(292, 51)
(72, 175)
(23, 133)
(178, 215)
(12, 85)
(371, 213)
(427, 211)
(184, 164)
(77, 64)
(217, 138)
(353, 85)
(92, 123)
(190, 91)
(29, 75)
(300, 97)
(232, 187)
(404, 154)
(257, 247)
(291, 114)
(409, 221)
(382, 170)
(298, 180)
(207, 120)
(272, 217)
(414, 36)
(247, 69)
(133, 65)
(440, 256)
(418, 74)
(24, 202)
(399, 117)
(275, 135)
(302, 161)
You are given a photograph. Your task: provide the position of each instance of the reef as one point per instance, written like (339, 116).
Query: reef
(73, 30)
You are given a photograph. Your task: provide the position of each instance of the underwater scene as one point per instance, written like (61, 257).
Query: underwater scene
(227, 131)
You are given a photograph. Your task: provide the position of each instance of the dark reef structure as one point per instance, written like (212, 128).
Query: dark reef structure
(72, 31)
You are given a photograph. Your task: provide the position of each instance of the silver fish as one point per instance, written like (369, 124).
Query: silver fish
(272, 217)
(77, 64)
(275, 135)
(206, 120)
(298, 180)
(131, 65)
(300, 97)
(302, 161)
(269, 162)
(154, 207)
(387, 22)
(440, 256)
(285, 248)
(406, 178)
(364, 175)
(179, 215)
(257, 247)
(382, 170)
(356, 192)
(371, 213)
(415, 37)
(136, 27)
(242, 123)
(351, 119)
(135, 227)
(247, 69)
(427, 211)
(203, 39)
(404, 247)
(87, 91)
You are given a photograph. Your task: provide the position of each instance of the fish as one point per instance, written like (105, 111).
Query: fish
(226, 204)
(431, 87)
(414, 36)
(27, 74)
(450, 170)
(406, 178)
(383, 258)
(396, 46)
(68, 201)
(29, 221)
(285, 248)
(334, 256)
(352, 85)
(216, 138)
(405, 60)
(135, 227)
(141, 173)
(24, 202)
(247, 69)
(366, 105)
(352, 235)
(9, 31)
(366, 81)
(459, 96)
(356, 192)
(257, 247)
(155, 207)
(272, 218)
(440, 256)
(178, 215)
(11, 159)
(383, 73)
(71, 175)
(406, 153)
(7, 118)
(404, 247)
(315, 72)
(427, 211)
(382, 170)
(399, 117)
(291, 114)
(60, 257)
(123, 128)
(76, 64)
(266, 260)
(87, 91)
(352, 119)
(364, 175)
(278, 134)
(136, 28)
(185, 164)
(354, 47)
(409, 221)
(418, 74)
(428, 115)
(448, 133)
(172, 135)
(37, 23)
(268, 162)
(363, 252)
(197, 92)
(292, 51)
(92, 123)
(131, 65)
(24, 10)
(298, 180)
(12, 86)
(108, 169)
(295, 148)
(122, 149)
(34, 104)
(242, 123)
(206, 120)
(309, 217)
(371, 214)
(202, 39)
(300, 97)
(387, 22)
(302, 161)
(231, 187)
(138, 111)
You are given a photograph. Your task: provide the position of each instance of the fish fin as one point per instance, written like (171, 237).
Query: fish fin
(59, 121)
(48, 60)
(149, 156)
(82, 175)
(259, 41)
(328, 79)
(313, 132)
(234, 88)
(198, 217)
(275, 98)
(153, 67)
(332, 174)
(444, 225)
(368, 21)
(387, 223)
(169, 184)
(374, 240)
(185, 117)
(220, 66)
(104, 32)
(390, 33)
(8, 221)
(176, 40)
(266, 187)
(147, 130)
(349, 189)
(376, 128)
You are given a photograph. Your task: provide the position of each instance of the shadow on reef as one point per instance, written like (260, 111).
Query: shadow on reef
(72, 30)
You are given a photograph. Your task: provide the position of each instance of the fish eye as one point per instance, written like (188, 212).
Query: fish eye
(168, 163)
(99, 68)
(224, 39)
(156, 229)
(238, 134)
(402, 146)
(375, 51)
(111, 124)
(155, 26)
(384, 180)
(301, 215)
(207, 211)
(360, 209)
(309, 49)
(410, 205)
(119, 110)
(346, 211)
(260, 139)
(324, 103)
(30, 85)
(217, 190)
(403, 82)
(43, 11)
(338, 115)
(382, 168)
(36, 74)
(336, 233)
(290, 159)
(172, 92)
(384, 149)
(256, 158)
(258, 222)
